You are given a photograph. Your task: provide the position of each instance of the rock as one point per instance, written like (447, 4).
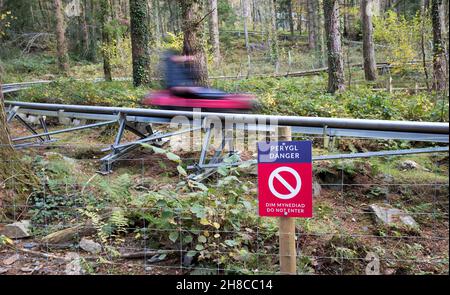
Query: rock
(317, 188)
(388, 215)
(187, 260)
(74, 266)
(68, 234)
(11, 260)
(30, 245)
(389, 271)
(26, 269)
(17, 230)
(90, 246)
(3, 270)
(408, 165)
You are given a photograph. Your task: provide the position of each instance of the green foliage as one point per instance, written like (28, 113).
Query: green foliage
(59, 192)
(173, 41)
(402, 36)
(18, 69)
(308, 97)
(85, 93)
(4, 240)
(5, 22)
(216, 223)
(226, 13)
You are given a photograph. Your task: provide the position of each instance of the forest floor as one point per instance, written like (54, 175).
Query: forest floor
(336, 241)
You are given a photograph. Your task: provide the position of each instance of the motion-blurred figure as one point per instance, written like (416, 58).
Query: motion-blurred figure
(181, 76)
(182, 91)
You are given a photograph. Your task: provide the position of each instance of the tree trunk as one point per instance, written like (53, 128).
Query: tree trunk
(106, 38)
(370, 69)
(61, 46)
(192, 44)
(84, 29)
(214, 30)
(423, 16)
(157, 18)
(140, 38)
(244, 20)
(273, 34)
(312, 29)
(336, 80)
(439, 62)
(92, 31)
(291, 17)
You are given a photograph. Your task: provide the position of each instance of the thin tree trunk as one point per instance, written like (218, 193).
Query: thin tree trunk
(214, 30)
(84, 29)
(158, 32)
(312, 32)
(370, 69)
(423, 15)
(439, 62)
(192, 43)
(61, 46)
(140, 38)
(106, 39)
(92, 30)
(273, 34)
(291, 17)
(336, 81)
(244, 20)
(300, 21)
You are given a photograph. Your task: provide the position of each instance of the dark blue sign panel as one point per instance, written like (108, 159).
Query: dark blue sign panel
(285, 152)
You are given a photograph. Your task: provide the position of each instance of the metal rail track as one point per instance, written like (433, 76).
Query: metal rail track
(139, 121)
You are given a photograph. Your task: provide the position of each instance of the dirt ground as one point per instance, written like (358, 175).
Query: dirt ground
(335, 241)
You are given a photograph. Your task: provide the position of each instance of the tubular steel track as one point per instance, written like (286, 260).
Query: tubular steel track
(139, 121)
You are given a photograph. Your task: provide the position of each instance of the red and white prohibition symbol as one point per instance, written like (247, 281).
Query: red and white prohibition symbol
(293, 190)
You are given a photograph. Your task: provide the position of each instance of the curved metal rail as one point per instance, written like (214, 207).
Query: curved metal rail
(293, 121)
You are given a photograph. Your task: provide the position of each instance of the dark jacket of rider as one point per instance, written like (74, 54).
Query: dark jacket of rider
(178, 73)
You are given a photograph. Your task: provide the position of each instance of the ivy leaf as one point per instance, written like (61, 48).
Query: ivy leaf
(231, 243)
(202, 239)
(204, 221)
(188, 239)
(158, 150)
(146, 145)
(199, 247)
(173, 236)
(166, 214)
(222, 170)
(173, 157)
(181, 170)
(216, 225)
(199, 185)
(191, 253)
(247, 205)
(198, 210)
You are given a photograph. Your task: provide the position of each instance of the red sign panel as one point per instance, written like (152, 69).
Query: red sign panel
(285, 178)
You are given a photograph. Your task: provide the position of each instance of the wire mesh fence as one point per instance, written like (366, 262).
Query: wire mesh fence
(383, 215)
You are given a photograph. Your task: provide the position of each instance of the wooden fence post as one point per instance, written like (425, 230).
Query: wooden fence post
(288, 255)
(389, 83)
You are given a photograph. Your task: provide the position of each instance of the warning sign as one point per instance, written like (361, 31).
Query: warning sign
(285, 178)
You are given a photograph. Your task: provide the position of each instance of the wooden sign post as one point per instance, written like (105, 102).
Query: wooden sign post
(288, 253)
(285, 189)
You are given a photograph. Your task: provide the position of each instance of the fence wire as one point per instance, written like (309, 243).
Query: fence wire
(148, 218)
